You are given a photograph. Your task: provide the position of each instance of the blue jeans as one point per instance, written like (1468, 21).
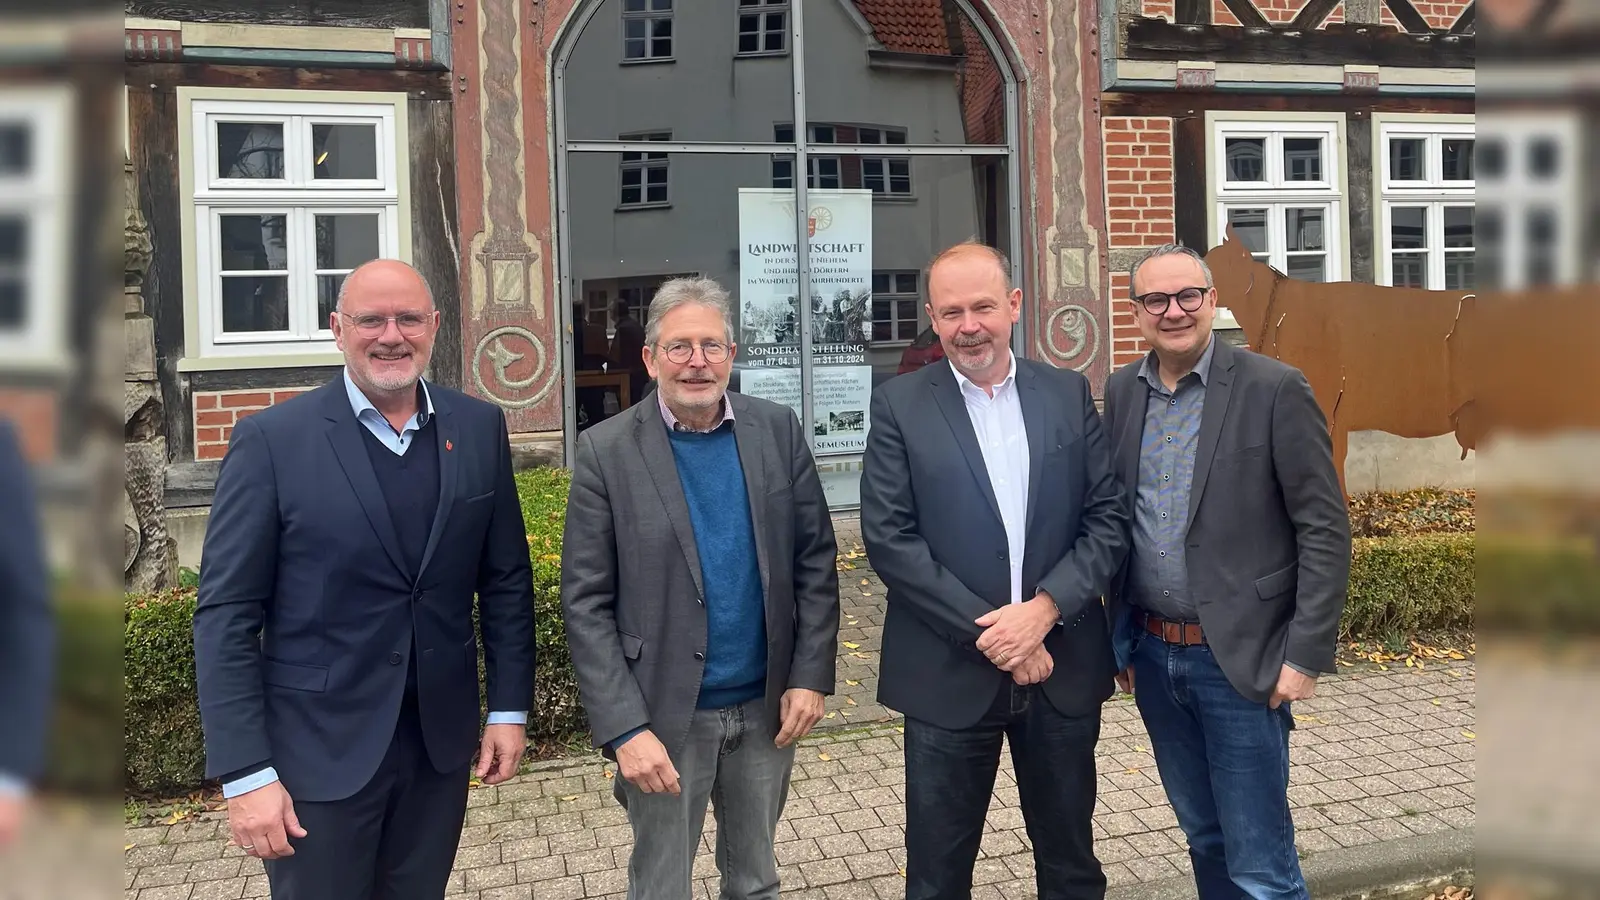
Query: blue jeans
(1224, 762)
(950, 779)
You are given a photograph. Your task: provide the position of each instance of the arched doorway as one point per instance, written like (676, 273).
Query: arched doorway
(678, 152)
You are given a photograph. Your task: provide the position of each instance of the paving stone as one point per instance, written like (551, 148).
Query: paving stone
(227, 889)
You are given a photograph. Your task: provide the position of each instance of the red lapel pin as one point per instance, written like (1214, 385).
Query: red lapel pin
(449, 446)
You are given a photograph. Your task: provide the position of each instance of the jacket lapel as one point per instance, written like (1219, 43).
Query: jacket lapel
(1033, 423)
(1130, 433)
(947, 393)
(1218, 392)
(656, 448)
(444, 428)
(747, 435)
(344, 432)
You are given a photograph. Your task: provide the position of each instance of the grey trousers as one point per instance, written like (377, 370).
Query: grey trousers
(729, 760)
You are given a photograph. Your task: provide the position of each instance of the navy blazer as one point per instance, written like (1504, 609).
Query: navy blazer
(27, 626)
(305, 620)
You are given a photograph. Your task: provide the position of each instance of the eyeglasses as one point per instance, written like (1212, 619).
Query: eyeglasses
(410, 324)
(1156, 302)
(680, 352)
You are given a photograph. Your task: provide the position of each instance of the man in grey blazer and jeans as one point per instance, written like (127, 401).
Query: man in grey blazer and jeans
(1227, 608)
(701, 602)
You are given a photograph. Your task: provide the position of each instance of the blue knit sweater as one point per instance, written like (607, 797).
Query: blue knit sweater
(724, 537)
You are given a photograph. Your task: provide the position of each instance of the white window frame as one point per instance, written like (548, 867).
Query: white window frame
(644, 163)
(894, 297)
(762, 8)
(649, 15)
(298, 196)
(1433, 193)
(42, 198)
(1516, 195)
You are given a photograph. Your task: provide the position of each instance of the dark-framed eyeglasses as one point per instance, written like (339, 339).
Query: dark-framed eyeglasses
(411, 324)
(1155, 303)
(680, 352)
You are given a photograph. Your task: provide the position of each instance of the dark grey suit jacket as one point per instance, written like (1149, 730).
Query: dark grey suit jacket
(27, 622)
(1268, 543)
(934, 534)
(631, 590)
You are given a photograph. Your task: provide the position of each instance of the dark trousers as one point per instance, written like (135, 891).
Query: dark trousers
(1224, 761)
(950, 780)
(395, 839)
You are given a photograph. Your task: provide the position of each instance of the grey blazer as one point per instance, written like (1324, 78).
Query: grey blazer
(1268, 544)
(631, 591)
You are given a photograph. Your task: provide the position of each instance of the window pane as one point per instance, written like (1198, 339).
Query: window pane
(327, 298)
(1251, 226)
(1303, 230)
(633, 5)
(346, 240)
(1306, 268)
(1458, 272)
(1458, 226)
(1408, 227)
(655, 193)
(1302, 159)
(254, 243)
(13, 304)
(344, 151)
(255, 303)
(16, 149)
(906, 282)
(655, 175)
(1407, 159)
(1544, 158)
(1457, 159)
(633, 29)
(1246, 159)
(249, 150)
(774, 40)
(1493, 159)
(1410, 270)
(13, 242)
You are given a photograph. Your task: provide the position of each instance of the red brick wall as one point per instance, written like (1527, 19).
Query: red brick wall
(1167, 9)
(215, 412)
(1138, 209)
(1443, 14)
(34, 413)
(1220, 15)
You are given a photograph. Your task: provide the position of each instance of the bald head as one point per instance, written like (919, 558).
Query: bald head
(384, 277)
(973, 252)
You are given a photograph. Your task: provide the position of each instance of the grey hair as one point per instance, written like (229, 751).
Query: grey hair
(344, 283)
(676, 292)
(1169, 250)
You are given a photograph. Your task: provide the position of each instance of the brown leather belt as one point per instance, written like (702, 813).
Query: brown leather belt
(1186, 634)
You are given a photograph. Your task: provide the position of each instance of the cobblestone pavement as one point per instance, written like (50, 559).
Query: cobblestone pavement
(1376, 755)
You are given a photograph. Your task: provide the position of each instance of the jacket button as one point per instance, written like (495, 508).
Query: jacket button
(417, 595)
(699, 656)
(394, 659)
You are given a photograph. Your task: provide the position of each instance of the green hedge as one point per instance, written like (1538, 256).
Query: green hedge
(1398, 584)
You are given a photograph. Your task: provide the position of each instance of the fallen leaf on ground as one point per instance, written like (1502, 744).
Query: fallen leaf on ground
(569, 799)
(830, 715)
(1469, 735)
(851, 701)
(823, 756)
(865, 582)
(861, 656)
(610, 774)
(1436, 701)
(127, 848)
(852, 645)
(1138, 749)
(1130, 771)
(1300, 718)
(852, 682)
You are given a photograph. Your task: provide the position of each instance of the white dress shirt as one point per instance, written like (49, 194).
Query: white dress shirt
(1003, 438)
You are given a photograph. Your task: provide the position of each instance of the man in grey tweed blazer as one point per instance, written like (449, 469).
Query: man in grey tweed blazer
(701, 602)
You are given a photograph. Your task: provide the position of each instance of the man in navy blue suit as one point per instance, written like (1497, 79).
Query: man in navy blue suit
(335, 656)
(27, 636)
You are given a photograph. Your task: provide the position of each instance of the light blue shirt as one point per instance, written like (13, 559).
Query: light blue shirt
(12, 786)
(399, 442)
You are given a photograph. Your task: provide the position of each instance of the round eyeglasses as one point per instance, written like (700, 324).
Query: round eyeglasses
(410, 324)
(680, 352)
(1155, 303)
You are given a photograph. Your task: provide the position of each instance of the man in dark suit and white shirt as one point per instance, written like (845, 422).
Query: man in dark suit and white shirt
(334, 650)
(990, 511)
(701, 600)
(1228, 606)
(27, 635)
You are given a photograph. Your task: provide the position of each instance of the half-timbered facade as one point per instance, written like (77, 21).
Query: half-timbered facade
(1336, 137)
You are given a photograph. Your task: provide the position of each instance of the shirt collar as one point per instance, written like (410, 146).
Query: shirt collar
(1201, 370)
(674, 425)
(360, 403)
(965, 382)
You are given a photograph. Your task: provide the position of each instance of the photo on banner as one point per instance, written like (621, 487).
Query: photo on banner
(839, 223)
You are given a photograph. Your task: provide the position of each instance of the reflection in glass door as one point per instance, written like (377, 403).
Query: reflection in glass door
(815, 186)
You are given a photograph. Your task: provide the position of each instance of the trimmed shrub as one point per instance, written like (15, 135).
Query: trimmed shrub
(1547, 585)
(83, 754)
(1408, 585)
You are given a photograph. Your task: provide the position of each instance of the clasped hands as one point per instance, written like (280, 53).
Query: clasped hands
(1013, 638)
